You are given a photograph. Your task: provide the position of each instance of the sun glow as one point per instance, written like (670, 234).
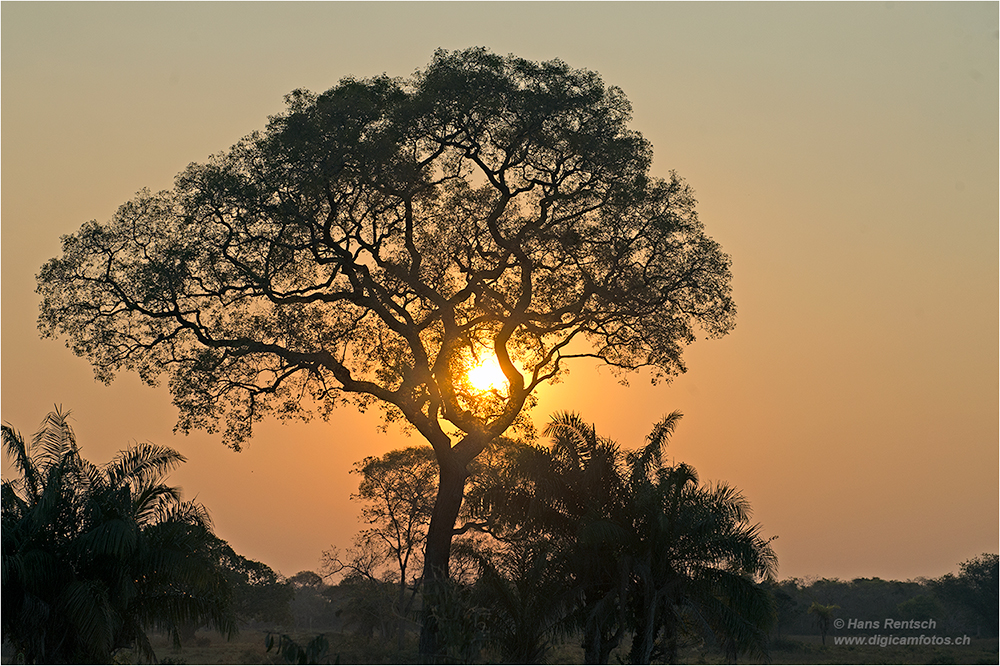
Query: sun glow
(487, 376)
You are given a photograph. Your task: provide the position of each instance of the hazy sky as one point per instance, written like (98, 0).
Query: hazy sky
(845, 155)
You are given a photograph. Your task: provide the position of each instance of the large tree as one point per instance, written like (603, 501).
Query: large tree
(376, 240)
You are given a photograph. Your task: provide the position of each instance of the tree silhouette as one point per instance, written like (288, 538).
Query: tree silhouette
(375, 241)
(824, 617)
(259, 594)
(975, 589)
(651, 552)
(398, 490)
(94, 556)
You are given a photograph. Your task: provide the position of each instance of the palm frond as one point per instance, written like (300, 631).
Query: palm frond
(116, 538)
(85, 604)
(15, 447)
(142, 464)
(651, 454)
(14, 507)
(572, 438)
(739, 612)
(54, 441)
(153, 503)
(184, 513)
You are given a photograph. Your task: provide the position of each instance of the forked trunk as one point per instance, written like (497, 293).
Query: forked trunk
(451, 490)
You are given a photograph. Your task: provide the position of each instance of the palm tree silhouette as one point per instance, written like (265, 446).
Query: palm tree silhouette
(646, 549)
(94, 556)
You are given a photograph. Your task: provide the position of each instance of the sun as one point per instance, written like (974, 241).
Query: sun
(487, 376)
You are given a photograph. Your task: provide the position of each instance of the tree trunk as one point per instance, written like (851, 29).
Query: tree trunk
(401, 612)
(597, 646)
(645, 635)
(451, 490)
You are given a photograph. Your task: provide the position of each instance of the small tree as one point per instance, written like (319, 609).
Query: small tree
(824, 617)
(398, 491)
(377, 240)
(311, 604)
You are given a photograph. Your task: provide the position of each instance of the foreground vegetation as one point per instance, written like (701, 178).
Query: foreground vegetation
(579, 537)
(573, 552)
(346, 648)
(95, 557)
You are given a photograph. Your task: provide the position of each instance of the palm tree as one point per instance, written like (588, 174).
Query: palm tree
(645, 548)
(824, 617)
(695, 564)
(94, 556)
(521, 586)
(566, 501)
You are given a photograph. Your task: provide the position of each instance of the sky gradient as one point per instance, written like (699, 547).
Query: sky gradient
(845, 155)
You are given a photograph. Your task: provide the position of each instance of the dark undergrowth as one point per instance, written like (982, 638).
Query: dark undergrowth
(249, 648)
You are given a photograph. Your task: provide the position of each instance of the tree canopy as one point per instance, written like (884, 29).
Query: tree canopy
(975, 589)
(375, 238)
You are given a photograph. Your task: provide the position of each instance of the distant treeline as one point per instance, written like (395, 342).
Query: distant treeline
(965, 603)
(951, 601)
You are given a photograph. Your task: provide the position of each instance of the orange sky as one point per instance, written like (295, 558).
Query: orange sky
(845, 155)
